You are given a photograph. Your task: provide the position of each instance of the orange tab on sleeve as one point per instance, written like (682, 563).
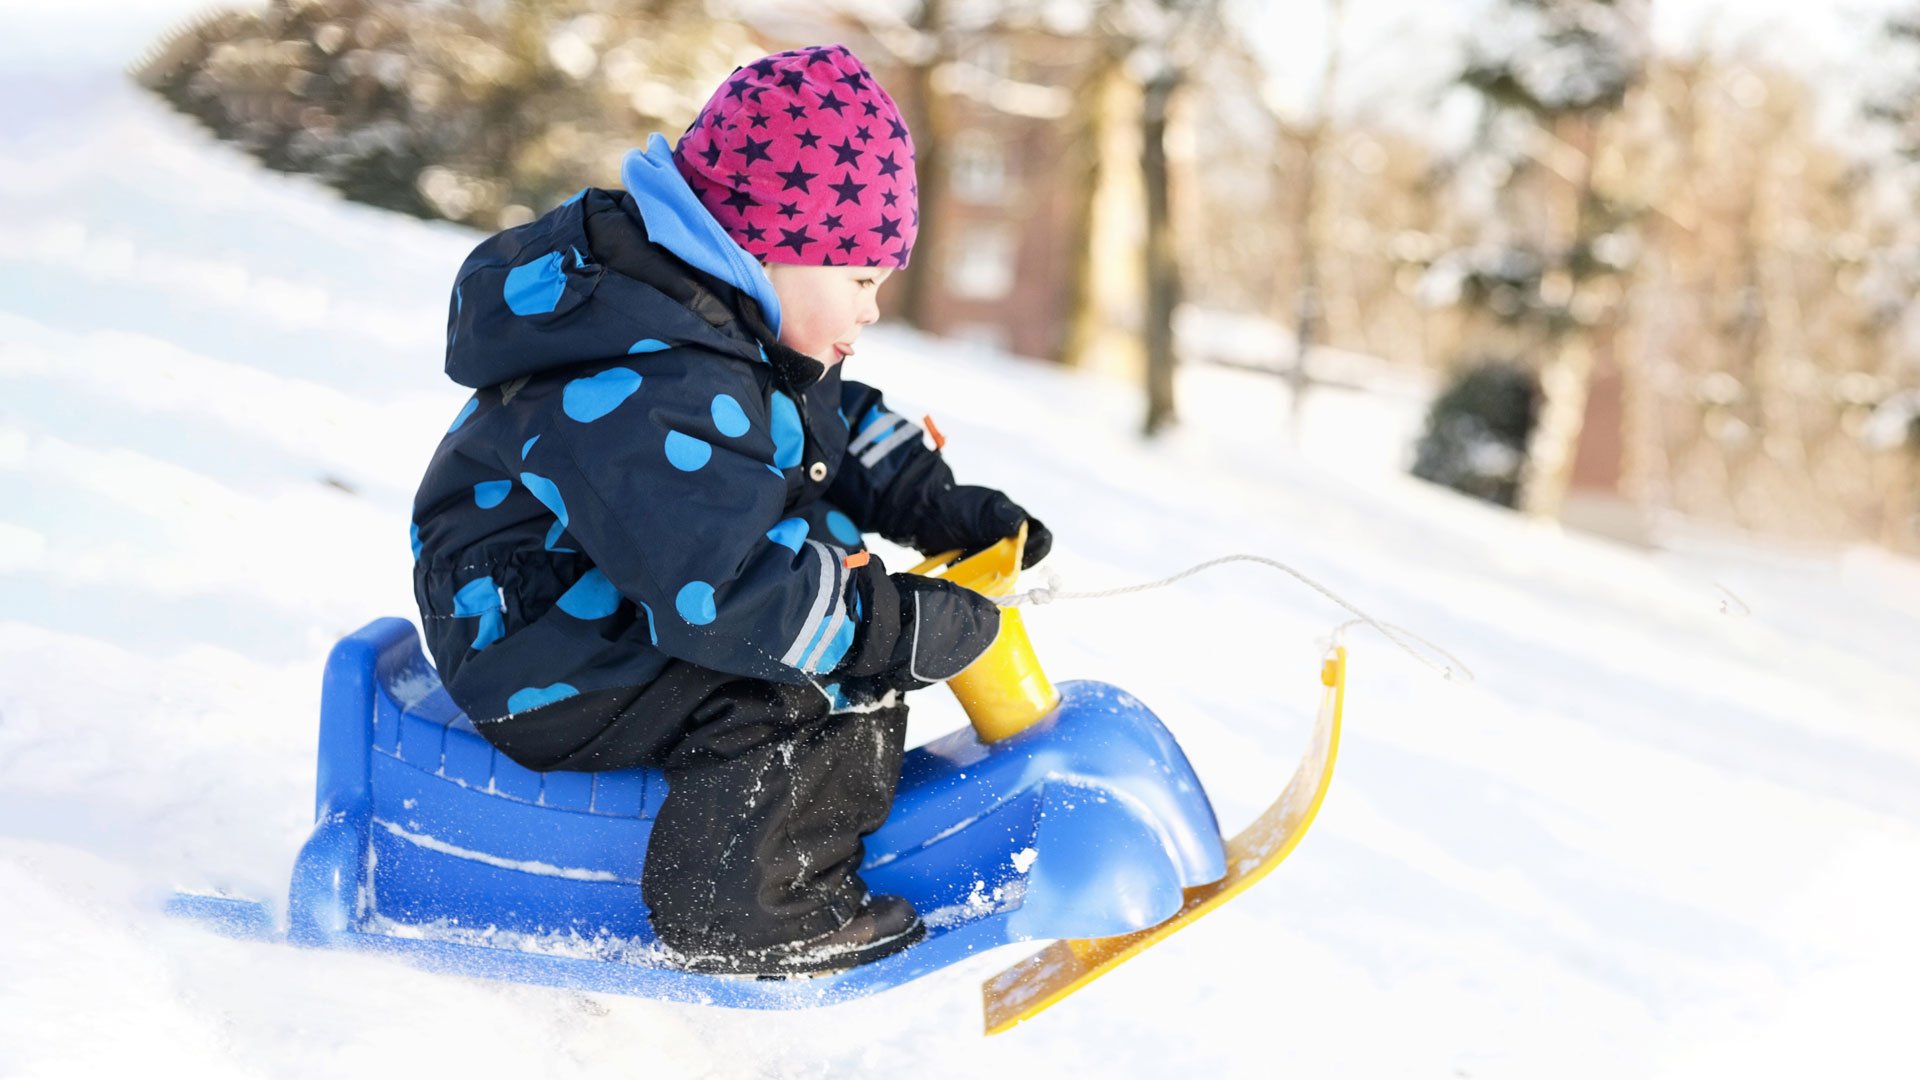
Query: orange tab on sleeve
(939, 440)
(854, 560)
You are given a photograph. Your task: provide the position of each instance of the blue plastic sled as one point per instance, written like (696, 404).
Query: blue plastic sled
(430, 844)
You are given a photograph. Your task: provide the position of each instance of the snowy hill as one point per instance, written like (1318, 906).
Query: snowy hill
(1652, 839)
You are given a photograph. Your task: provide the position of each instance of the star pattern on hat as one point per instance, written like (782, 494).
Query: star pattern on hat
(796, 177)
(845, 153)
(796, 239)
(753, 160)
(848, 191)
(756, 150)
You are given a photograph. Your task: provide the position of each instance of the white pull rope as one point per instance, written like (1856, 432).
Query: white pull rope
(1399, 636)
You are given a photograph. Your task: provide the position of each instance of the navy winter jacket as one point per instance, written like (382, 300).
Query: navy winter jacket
(643, 472)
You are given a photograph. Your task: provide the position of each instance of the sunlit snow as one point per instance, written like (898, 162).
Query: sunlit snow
(1653, 838)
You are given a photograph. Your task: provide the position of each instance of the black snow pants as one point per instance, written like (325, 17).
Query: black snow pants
(768, 797)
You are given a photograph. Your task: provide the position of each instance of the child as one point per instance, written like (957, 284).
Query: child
(640, 542)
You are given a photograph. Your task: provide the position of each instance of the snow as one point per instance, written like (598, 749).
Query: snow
(1651, 840)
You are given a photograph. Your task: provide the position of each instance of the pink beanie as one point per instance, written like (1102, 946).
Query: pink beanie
(804, 159)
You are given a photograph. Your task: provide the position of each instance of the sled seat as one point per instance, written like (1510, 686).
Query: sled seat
(456, 835)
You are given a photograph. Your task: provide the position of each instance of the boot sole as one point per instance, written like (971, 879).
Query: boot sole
(773, 964)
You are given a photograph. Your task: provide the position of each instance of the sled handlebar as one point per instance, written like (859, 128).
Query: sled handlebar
(1004, 691)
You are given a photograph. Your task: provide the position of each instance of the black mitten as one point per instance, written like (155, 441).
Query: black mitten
(970, 518)
(919, 631)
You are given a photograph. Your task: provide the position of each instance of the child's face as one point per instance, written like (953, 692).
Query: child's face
(822, 308)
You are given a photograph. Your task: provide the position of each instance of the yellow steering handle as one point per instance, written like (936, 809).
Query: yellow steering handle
(1004, 691)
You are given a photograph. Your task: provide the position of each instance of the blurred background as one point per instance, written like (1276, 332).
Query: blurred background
(1639, 262)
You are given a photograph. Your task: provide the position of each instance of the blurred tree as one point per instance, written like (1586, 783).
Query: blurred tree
(1475, 440)
(478, 112)
(1894, 426)
(1310, 225)
(1897, 106)
(1169, 39)
(1545, 269)
(1099, 103)
(1151, 49)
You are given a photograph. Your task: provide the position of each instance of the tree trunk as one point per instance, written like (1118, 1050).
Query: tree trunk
(1310, 229)
(1567, 375)
(1091, 126)
(1163, 269)
(931, 124)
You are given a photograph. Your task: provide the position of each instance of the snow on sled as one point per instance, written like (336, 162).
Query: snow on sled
(1064, 814)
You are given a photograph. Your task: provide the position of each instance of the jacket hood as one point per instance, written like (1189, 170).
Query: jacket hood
(611, 273)
(677, 221)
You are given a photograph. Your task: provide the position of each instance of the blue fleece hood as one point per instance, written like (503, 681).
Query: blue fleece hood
(676, 220)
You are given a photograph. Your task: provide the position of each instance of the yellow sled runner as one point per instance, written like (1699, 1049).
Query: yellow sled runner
(1005, 691)
(1065, 966)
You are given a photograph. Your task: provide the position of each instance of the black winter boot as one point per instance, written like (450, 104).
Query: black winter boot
(884, 925)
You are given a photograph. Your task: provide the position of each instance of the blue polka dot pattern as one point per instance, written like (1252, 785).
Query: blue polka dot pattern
(695, 603)
(491, 493)
(652, 634)
(789, 438)
(592, 597)
(413, 535)
(729, 417)
(465, 411)
(534, 288)
(843, 528)
(790, 534)
(593, 397)
(547, 492)
(647, 345)
(687, 453)
(532, 697)
(481, 598)
(526, 446)
(549, 496)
